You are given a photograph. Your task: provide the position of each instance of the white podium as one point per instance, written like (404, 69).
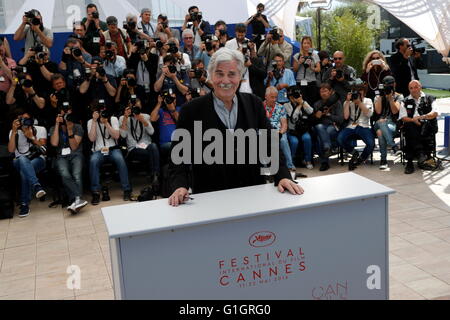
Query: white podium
(256, 243)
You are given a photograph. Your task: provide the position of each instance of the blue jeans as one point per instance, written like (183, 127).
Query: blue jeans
(388, 129)
(307, 145)
(70, 168)
(284, 144)
(348, 136)
(28, 170)
(326, 135)
(97, 159)
(149, 155)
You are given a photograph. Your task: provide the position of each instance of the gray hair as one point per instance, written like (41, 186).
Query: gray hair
(226, 55)
(270, 90)
(187, 32)
(131, 16)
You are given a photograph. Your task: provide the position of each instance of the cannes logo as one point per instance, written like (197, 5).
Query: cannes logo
(262, 239)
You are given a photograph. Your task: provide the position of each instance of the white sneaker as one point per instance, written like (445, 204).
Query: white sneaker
(309, 166)
(72, 208)
(80, 204)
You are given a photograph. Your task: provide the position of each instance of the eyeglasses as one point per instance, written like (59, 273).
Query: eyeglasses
(187, 38)
(338, 58)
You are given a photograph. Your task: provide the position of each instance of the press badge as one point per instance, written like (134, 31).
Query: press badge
(147, 88)
(96, 40)
(304, 83)
(105, 151)
(66, 151)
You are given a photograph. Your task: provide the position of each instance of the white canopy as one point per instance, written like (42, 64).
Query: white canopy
(428, 18)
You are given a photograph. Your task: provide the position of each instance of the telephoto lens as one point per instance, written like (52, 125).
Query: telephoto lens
(101, 71)
(172, 69)
(131, 82)
(76, 52)
(136, 110)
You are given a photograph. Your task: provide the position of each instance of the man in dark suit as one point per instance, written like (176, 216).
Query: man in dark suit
(404, 64)
(224, 110)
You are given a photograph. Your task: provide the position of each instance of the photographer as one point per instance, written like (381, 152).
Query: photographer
(163, 28)
(280, 78)
(208, 47)
(28, 142)
(375, 70)
(103, 132)
(307, 64)
(131, 26)
(220, 31)
(259, 24)
(340, 76)
(273, 45)
(276, 113)
(40, 67)
(94, 28)
(66, 136)
(33, 31)
(166, 114)
(137, 129)
(199, 78)
(145, 25)
(329, 116)
(74, 62)
(387, 107)
(114, 64)
(240, 40)
(255, 73)
(419, 116)
(98, 84)
(146, 65)
(194, 20)
(299, 124)
(59, 96)
(325, 65)
(404, 64)
(189, 48)
(6, 67)
(22, 95)
(170, 78)
(127, 88)
(357, 111)
(116, 35)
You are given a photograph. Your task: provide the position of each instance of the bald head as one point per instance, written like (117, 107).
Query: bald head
(415, 88)
(339, 58)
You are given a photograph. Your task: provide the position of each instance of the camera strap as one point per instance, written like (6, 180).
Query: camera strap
(103, 134)
(355, 112)
(134, 130)
(17, 145)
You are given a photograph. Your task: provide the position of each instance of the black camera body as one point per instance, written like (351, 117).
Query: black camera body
(95, 15)
(173, 49)
(159, 44)
(294, 92)
(36, 152)
(172, 68)
(76, 52)
(131, 82)
(195, 92)
(25, 83)
(275, 34)
(101, 71)
(26, 122)
(32, 19)
(198, 73)
(385, 90)
(339, 73)
(38, 48)
(141, 45)
(355, 95)
(196, 16)
(167, 95)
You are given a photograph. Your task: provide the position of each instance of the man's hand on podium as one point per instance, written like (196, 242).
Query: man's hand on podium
(290, 186)
(181, 195)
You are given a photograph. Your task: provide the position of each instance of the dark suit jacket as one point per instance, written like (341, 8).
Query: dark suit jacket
(207, 178)
(401, 70)
(257, 75)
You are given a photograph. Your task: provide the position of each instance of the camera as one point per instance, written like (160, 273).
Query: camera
(36, 152)
(275, 34)
(244, 47)
(172, 68)
(101, 105)
(109, 54)
(131, 82)
(294, 92)
(308, 58)
(38, 48)
(25, 83)
(32, 19)
(105, 114)
(418, 46)
(196, 16)
(356, 86)
(385, 90)
(167, 95)
(173, 49)
(222, 32)
(339, 73)
(62, 95)
(76, 52)
(26, 122)
(130, 25)
(42, 55)
(159, 44)
(198, 73)
(95, 15)
(20, 69)
(141, 45)
(69, 117)
(101, 71)
(65, 106)
(194, 92)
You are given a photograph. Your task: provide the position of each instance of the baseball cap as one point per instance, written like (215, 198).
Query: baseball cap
(111, 20)
(388, 80)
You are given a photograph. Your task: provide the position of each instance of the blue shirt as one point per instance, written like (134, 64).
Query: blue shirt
(167, 125)
(287, 78)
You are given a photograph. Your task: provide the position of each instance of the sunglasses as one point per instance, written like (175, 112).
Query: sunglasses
(376, 58)
(187, 38)
(338, 58)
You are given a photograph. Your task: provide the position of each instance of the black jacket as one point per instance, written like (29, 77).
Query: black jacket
(401, 70)
(209, 178)
(257, 75)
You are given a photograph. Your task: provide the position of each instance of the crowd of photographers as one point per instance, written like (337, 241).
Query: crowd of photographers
(117, 92)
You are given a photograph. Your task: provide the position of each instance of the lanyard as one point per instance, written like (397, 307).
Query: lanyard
(271, 112)
(103, 133)
(358, 114)
(134, 130)
(65, 139)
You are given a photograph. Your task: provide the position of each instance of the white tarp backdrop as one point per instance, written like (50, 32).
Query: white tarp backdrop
(428, 18)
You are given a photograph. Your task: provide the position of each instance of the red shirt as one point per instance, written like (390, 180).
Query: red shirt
(118, 39)
(5, 85)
